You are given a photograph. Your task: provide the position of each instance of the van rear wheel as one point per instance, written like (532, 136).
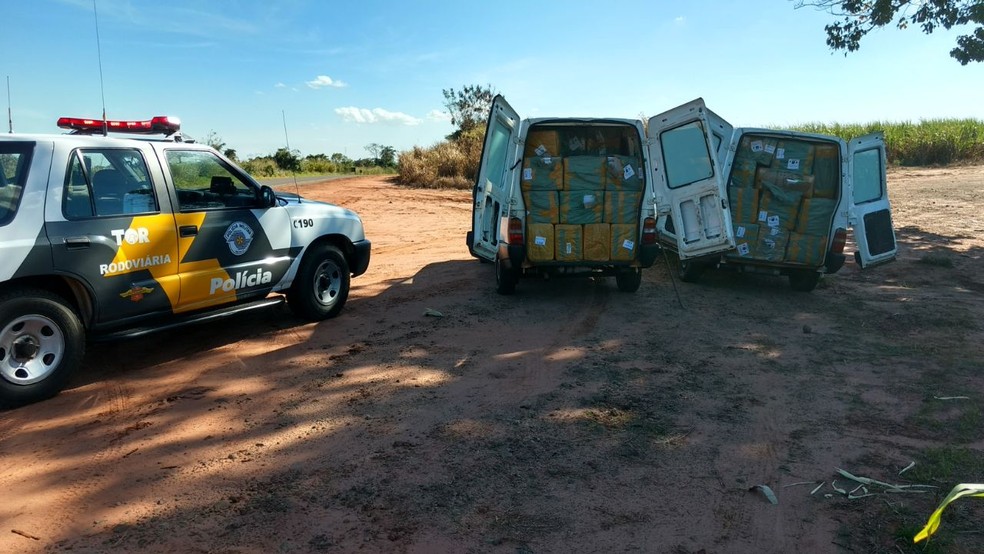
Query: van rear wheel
(628, 280)
(804, 280)
(505, 278)
(690, 271)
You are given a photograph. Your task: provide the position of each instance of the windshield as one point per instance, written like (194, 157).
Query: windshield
(15, 158)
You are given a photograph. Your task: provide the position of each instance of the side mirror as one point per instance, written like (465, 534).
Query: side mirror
(268, 198)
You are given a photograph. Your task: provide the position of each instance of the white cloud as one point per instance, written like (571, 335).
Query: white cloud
(279, 85)
(438, 115)
(680, 20)
(322, 81)
(375, 115)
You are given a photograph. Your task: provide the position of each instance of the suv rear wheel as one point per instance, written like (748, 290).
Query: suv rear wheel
(322, 284)
(41, 345)
(628, 280)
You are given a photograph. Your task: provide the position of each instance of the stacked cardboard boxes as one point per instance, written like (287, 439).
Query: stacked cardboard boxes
(782, 196)
(584, 205)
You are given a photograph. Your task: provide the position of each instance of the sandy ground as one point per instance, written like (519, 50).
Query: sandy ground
(567, 418)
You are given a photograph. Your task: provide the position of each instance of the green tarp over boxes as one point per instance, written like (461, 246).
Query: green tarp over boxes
(744, 204)
(806, 249)
(540, 142)
(582, 207)
(746, 239)
(780, 179)
(540, 242)
(826, 171)
(622, 207)
(598, 242)
(584, 172)
(625, 173)
(625, 241)
(743, 173)
(570, 241)
(815, 215)
(794, 155)
(771, 245)
(778, 207)
(756, 149)
(542, 206)
(546, 173)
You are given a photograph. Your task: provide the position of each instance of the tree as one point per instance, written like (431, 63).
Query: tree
(230, 153)
(215, 141)
(863, 16)
(287, 160)
(387, 157)
(469, 107)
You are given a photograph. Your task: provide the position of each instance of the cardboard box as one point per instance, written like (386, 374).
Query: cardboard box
(794, 155)
(778, 207)
(757, 149)
(570, 243)
(581, 207)
(539, 242)
(746, 239)
(815, 216)
(744, 203)
(625, 173)
(784, 180)
(541, 143)
(771, 244)
(806, 249)
(598, 242)
(743, 173)
(625, 241)
(542, 206)
(622, 207)
(826, 171)
(546, 173)
(585, 172)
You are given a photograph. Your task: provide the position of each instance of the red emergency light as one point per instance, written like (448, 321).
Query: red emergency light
(160, 125)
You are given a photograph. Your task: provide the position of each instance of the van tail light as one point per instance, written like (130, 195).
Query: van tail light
(649, 231)
(515, 230)
(840, 239)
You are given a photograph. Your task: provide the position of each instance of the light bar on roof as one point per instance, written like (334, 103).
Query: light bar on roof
(160, 125)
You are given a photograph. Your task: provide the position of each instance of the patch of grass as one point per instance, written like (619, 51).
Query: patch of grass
(946, 466)
(937, 259)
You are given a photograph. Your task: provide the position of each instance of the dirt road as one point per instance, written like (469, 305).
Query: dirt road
(567, 418)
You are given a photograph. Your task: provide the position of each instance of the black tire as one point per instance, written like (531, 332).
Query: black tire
(628, 280)
(804, 280)
(505, 279)
(690, 271)
(42, 342)
(321, 286)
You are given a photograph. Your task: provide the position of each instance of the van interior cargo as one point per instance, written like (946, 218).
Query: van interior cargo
(783, 193)
(582, 186)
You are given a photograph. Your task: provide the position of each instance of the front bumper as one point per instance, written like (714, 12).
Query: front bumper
(359, 262)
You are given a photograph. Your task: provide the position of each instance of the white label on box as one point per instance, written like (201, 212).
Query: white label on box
(769, 243)
(547, 160)
(772, 221)
(793, 163)
(774, 231)
(740, 232)
(628, 244)
(770, 148)
(780, 153)
(743, 249)
(763, 215)
(575, 144)
(540, 241)
(570, 248)
(527, 173)
(589, 200)
(628, 172)
(541, 150)
(756, 146)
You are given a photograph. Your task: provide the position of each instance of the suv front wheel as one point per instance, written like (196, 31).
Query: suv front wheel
(322, 284)
(41, 345)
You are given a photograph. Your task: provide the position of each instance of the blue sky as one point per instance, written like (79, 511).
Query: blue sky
(347, 74)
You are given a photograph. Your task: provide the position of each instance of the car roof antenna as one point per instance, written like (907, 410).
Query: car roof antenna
(10, 118)
(293, 173)
(102, 87)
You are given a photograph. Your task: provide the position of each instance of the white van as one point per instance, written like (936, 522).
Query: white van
(571, 196)
(792, 197)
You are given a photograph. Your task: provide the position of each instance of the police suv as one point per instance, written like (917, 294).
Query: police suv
(121, 236)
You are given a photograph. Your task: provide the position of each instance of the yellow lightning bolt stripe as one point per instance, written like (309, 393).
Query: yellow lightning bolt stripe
(197, 275)
(161, 243)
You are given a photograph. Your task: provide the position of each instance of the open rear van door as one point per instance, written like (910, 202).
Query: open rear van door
(491, 192)
(688, 181)
(870, 213)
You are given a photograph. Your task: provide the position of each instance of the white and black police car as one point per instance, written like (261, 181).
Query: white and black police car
(109, 236)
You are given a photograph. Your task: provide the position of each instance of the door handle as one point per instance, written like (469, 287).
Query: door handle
(76, 243)
(188, 230)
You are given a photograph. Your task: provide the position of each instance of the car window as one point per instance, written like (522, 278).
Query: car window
(203, 182)
(15, 159)
(685, 154)
(107, 182)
